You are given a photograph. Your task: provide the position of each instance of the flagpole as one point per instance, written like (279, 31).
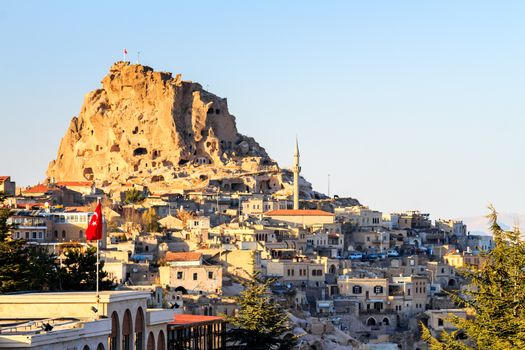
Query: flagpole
(98, 264)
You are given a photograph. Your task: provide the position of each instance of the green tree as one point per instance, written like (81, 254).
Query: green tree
(261, 323)
(495, 297)
(79, 271)
(24, 267)
(150, 220)
(5, 213)
(133, 196)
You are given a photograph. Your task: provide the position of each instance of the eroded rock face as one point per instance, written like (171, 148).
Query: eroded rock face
(148, 128)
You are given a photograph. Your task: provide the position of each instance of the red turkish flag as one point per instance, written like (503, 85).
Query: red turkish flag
(94, 230)
(125, 52)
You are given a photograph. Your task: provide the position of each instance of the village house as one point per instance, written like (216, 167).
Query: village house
(7, 186)
(188, 272)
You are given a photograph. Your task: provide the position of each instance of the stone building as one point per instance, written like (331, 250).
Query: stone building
(119, 320)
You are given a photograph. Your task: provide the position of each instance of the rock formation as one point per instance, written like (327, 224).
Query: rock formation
(150, 129)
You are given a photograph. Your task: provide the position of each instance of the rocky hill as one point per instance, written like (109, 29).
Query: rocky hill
(152, 129)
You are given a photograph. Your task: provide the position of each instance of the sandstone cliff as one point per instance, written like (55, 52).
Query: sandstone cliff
(148, 128)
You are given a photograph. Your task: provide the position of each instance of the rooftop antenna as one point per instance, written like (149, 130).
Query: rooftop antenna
(125, 54)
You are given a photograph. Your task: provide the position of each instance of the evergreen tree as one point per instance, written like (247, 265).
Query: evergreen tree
(261, 323)
(495, 297)
(5, 213)
(79, 270)
(23, 267)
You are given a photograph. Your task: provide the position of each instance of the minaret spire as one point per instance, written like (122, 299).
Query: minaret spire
(296, 170)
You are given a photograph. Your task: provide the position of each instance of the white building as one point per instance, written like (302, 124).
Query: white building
(77, 320)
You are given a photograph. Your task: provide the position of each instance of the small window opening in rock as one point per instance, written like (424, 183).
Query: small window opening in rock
(210, 111)
(204, 133)
(92, 132)
(183, 161)
(155, 154)
(217, 111)
(115, 148)
(136, 130)
(153, 164)
(136, 167)
(208, 144)
(88, 174)
(190, 134)
(157, 178)
(140, 151)
(97, 148)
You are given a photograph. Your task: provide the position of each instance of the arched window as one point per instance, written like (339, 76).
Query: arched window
(100, 346)
(139, 329)
(151, 342)
(371, 321)
(127, 330)
(386, 321)
(115, 332)
(86, 347)
(357, 290)
(161, 342)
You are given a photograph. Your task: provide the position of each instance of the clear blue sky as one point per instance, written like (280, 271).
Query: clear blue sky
(407, 104)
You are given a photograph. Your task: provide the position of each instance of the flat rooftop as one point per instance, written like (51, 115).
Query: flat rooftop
(65, 297)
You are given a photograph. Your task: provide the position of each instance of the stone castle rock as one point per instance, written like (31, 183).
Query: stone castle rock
(151, 129)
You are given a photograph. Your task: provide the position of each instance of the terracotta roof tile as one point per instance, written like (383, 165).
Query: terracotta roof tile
(3, 179)
(40, 188)
(300, 212)
(183, 256)
(185, 319)
(75, 183)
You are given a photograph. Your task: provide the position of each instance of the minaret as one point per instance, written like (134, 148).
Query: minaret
(296, 170)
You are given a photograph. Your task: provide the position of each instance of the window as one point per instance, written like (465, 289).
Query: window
(378, 289)
(408, 291)
(40, 235)
(210, 274)
(80, 233)
(440, 322)
(195, 276)
(63, 234)
(357, 290)
(180, 275)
